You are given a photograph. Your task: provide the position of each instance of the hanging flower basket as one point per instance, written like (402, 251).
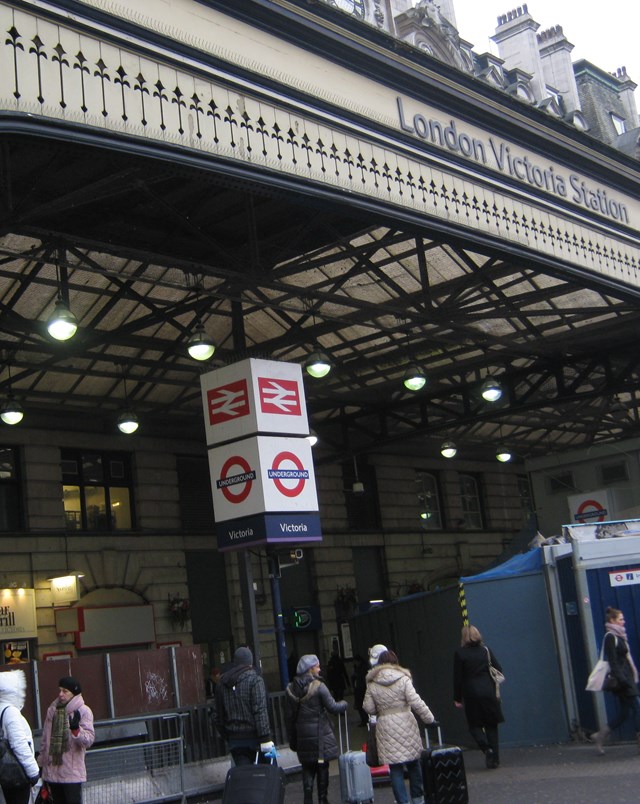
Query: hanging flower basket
(179, 610)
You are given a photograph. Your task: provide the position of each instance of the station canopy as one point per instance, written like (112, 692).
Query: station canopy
(146, 249)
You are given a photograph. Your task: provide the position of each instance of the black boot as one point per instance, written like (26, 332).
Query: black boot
(323, 782)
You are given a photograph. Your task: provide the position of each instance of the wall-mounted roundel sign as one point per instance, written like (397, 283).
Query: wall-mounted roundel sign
(591, 510)
(282, 476)
(236, 486)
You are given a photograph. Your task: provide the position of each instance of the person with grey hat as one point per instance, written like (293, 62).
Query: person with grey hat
(311, 735)
(66, 735)
(240, 714)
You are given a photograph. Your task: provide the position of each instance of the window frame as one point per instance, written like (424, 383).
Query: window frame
(479, 512)
(437, 491)
(13, 484)
(109, 482)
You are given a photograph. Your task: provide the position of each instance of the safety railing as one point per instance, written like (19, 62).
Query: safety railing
(145, 759)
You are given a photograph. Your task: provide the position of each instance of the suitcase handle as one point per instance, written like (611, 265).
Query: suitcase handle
(346, 730)
(434, 725)
(273, 755)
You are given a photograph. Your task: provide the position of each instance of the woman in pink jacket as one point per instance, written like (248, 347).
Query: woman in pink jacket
(66, 735)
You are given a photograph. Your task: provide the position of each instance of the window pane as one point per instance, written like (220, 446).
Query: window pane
(7, 463)
(120, 508)
(471, 509)
(92, 471)
(72, 510)
(116, 470)
(9, 507)
(96, 508)
(429, 501)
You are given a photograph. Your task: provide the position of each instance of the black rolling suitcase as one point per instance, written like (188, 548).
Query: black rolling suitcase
(443, 774)
(254, 784)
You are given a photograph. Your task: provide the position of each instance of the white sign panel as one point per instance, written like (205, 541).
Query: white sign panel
(262, 474)
(624, 577)
(18, 613)
(254, 396)
(590, 506)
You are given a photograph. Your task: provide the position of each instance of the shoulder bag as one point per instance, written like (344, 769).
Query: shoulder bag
(371, 752)
(12, 773)
(600, 678)
(496, 675)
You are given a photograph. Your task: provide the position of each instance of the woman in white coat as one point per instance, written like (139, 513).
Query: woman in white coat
(13, 689)
(392, 698)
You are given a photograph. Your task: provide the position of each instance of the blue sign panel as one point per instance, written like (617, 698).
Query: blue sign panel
(286, 528)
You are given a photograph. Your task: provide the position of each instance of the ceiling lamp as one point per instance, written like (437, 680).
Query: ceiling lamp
(491, 390)
(317, 365)
(503, 454)
(312, 438)
(414, 379)
(200, 345)
(11, 412)
(128, 422)
(448, 449)
(63, 324)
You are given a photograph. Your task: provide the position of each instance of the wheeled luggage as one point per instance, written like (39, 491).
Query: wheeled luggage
(443, 774)
(254, 784)
(356, 786)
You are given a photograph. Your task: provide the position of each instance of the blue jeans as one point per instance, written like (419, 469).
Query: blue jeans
(397, 781)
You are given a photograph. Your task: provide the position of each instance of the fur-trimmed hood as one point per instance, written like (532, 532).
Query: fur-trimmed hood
(13, 688)
(387, 674)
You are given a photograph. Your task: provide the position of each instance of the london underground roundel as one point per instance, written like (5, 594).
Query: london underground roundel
(236, 486)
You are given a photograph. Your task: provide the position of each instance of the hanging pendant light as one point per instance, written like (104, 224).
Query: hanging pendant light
(312, 438)
(11, 411)
(414, 378)
(503, 454)
(128, 422)
(62, 324)
(317, 365)
(200, 345)
(491, 390)
(448, 449)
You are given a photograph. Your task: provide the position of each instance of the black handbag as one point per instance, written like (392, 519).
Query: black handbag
(12, 773)
(373, 760)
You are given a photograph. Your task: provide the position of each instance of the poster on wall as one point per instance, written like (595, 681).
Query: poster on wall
(15, 652)
(18, 614)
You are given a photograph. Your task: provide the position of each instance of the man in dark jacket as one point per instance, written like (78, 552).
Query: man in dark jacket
(240, 713)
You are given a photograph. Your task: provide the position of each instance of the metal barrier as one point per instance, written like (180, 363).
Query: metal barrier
(140, 760)
(143, 772)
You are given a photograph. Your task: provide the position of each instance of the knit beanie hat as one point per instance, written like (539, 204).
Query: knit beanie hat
(70, 683)
(305, 664)
(374, 654)
(243, 656)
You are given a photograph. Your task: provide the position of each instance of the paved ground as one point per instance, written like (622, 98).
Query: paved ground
(564, 774)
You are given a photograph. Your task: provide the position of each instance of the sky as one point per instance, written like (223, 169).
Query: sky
(605, 35)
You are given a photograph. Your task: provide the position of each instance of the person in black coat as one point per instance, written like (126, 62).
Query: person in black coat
(475, 690)
(622, 668)
(311, 735)
(337, 676)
